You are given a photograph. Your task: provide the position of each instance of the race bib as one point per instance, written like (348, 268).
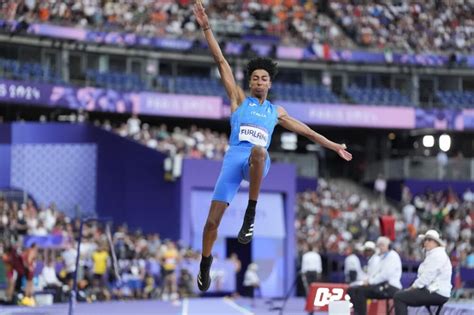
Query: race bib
(253, 134)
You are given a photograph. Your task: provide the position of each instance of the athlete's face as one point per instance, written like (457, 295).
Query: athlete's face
(260, 83)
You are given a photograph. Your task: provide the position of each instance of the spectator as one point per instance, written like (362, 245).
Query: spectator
(8, 259)
(100, 259)
(380, 186)
(442, 159)
(185, 284)
(409, 26)
(169, 263)
(470, 259)
(69, 257)
(49, 280)
(29, 257)
(133, 126)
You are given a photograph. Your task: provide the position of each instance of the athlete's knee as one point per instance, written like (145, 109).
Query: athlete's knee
(211, 225)
(259, 154)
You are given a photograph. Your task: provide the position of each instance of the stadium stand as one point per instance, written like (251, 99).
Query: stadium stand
(407, 25)
(377, 96)
(345, 53)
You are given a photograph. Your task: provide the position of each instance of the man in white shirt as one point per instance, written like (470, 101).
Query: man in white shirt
(252, 282)
(433, 283)
(311, 267)
(49, 280)
(380, 186)
(352, 268)
(374, 259)
(383, 283)
(69, 257)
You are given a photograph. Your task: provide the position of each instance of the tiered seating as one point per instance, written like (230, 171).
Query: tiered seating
(456, 98)
(192, 85)
(378, 96)
(303, 93)
(113, 80)
(28, 71)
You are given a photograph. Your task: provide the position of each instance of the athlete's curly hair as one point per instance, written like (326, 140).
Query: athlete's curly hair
(266, 64)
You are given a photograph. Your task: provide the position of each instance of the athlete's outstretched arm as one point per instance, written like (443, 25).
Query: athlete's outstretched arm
(235, 93)
(293, 124)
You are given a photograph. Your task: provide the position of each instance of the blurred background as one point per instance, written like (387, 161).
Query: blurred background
(114, 109)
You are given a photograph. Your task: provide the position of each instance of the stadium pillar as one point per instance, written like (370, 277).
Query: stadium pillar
(415, 86)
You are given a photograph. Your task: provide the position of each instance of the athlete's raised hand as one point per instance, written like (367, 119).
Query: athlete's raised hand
(341, 150)
(200, 14)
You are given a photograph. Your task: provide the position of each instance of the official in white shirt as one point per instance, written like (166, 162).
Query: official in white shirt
(251, 280)
(353, 272)
(311, 267)
(383, 283)
(433, 283)
(370, 252)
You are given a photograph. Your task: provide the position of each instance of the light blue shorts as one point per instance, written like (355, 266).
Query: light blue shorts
(235, 168)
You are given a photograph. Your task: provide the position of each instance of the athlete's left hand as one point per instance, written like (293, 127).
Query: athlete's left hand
(341, 150)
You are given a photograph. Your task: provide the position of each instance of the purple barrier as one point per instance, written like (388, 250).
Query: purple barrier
(96, 99)
(212, 107)
(418, 187)
(440, 119)
(468, 116)
(234, 48)
(180, 105)
(48, 241)
(467, 277)
(306, 183)
(24, 93)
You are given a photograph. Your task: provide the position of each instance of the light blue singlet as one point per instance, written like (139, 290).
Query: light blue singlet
(251, 124)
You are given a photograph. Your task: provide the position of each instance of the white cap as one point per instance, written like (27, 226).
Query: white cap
(432, 235)
(369, 245)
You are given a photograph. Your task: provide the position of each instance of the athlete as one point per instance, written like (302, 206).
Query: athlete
(252, 122)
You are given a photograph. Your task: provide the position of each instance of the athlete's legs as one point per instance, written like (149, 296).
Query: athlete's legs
(256, 168)
(257, 161)
(225, 190)
(210, 229)
(208, 238)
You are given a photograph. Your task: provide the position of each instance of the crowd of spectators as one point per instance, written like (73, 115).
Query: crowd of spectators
(409, 25)
(191, 143)
(333, 219)
(330, 219)
(292, 21)
(148, 266)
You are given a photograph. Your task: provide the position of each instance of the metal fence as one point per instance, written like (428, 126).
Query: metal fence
(421, 168)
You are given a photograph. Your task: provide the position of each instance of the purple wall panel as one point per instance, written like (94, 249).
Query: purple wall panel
(5, 165)
(131, 186)
(130, 180)
(421, 186)
(30, 133)
(306, 183)
(5, 133)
